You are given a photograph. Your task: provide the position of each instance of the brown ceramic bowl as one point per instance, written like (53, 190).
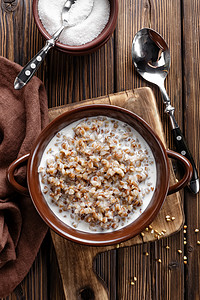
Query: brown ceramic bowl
(162, 185)
(90, 47)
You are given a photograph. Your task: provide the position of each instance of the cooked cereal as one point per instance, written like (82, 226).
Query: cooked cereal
(98, 170)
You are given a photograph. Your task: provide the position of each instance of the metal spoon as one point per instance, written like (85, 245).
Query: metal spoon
(33, 65)
(151, 59)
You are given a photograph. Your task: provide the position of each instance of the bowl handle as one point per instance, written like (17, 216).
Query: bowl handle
(172, 189)
(10, 174)
(188, 172)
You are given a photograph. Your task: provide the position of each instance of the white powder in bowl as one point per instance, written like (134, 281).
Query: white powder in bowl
(79, 11)
(85, 30)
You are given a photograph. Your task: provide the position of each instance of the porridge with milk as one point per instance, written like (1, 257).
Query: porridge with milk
(97, 174)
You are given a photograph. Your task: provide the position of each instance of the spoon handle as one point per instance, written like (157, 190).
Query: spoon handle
(32, 66)
(183, 149)
(179, 139)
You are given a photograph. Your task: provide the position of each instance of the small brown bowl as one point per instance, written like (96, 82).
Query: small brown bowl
(87, 48)
(162, 188)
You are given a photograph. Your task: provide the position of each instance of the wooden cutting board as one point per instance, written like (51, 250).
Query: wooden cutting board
(76, 261)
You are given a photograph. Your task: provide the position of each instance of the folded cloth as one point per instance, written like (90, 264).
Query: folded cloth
(22, 116)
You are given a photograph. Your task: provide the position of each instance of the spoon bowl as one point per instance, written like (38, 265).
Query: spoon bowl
(151, 56)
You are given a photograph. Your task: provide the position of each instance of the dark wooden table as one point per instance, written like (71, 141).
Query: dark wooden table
(69, 79)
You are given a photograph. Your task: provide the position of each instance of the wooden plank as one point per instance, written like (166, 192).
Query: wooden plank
(105, 266)
(191, 56)
(35, 284)
(76, 268)
(78, 78)
(54, 278)
(165, 17)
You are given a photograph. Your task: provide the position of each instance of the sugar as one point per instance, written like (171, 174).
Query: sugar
(85, 30)
(79, 11)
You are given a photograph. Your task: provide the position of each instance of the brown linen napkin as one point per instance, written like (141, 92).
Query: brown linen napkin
(22, 116)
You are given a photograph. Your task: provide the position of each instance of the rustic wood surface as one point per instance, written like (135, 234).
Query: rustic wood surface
(71, 79)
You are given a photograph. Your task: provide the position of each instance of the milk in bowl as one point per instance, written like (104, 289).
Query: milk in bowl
(97, 174)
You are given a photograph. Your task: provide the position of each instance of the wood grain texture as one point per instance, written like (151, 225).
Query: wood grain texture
(78, 77)
(71, 79)
(165, 17)
(191, 89)
(76, 268)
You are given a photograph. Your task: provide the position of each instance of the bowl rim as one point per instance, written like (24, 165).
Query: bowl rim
(95, 44)
(94, 239)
